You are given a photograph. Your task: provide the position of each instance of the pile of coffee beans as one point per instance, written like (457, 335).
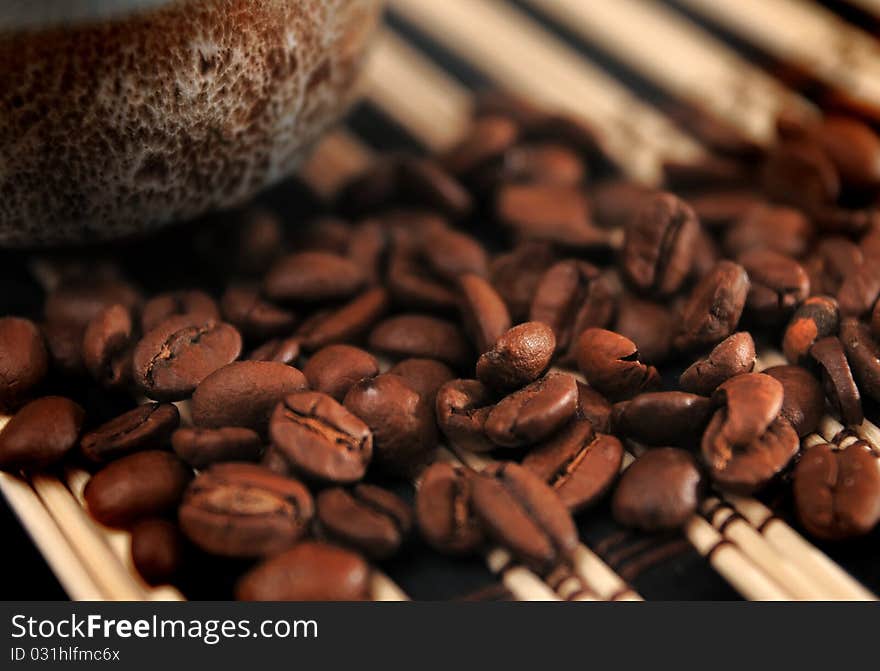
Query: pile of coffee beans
(514, 297)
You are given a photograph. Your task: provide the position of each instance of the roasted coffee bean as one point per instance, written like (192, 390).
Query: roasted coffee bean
(202, 447)
(733, 356)
(172, 303)
(703, 173)
(837, 379)
(859, 289)
(483, 312)
(335, 368)
(722, 207)
(580, 464)
(833, 259)
(325, 234)
(280, 350)
(714, 307)
(40, 434)
(424, 182)
(425, 376)
(523, 514)
(274, 460)
(534, 412)
(24, 360)
(610, 362)
(780, 229)
(171, 360)
(401, 421)
(259, 240)
(659, 490)
(253, 315)
(345, 323)
(594, 407)
(616, 201)
(658, 247)
(863, 355)
(837, 492)
(549, 212)
(157, 550)
(853, 147)
(320, 438)
(244, 393)
(816, 318)
(366, 518)
(451, 253)
(64, 343)
(78, 302)
(706, 254)
(543, 163)
(444, 509)
(137, 486)
(488, 138)
(107, 347)
(516, 274)
(801, 174)
(411, 282)
(415, 335)
(875, 320)
(663, 418)
(147, 426)
(752, 402)
(649, 325)
(311, 277)
(518, 357)
(243, 510)
(309, 571)
(803, 402)
(462, 407)
(778, 283)
(572, 296)
(367, 246)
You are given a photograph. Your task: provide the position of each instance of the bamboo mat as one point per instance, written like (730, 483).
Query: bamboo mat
(609, 62)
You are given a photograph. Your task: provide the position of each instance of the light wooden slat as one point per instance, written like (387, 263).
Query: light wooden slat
(840, 55)
(401, 81)
(524, 57)
(382, 588)
(870, 6)
(686, 60)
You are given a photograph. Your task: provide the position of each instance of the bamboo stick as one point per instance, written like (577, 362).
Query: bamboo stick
(382, 588)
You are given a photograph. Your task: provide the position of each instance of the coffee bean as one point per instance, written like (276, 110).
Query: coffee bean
(325, 234)
(488, 138)
(833, 259)
(610, 362)
(543, 163)
(594, 407)
(617, 201)
(816, 318)
(253, 315)
(733, 356)
(722, 207)
(244, 393)
(859, 289)
(172, 303)
(137, 486)
(780, 229)
(425, 376)
(483, 311)
(837, 492)
(571, 297)
(367, 246)
(366, 518)
(312, 277)
(157, 550)
(335, 368)
(345, 323)
(663, 418)
(462, 407)
(516, 274)
(415, 335)
(778, 283)
(533, 412)
(423, 181)
(280, 350)
(64, 343)
(412, 283)
(147, 426)
(801, 174)
(171, 360)
(401, 420)
(320, 438)
(450, 253)
(40, 434)
(875, 320)
(853, 147)
(714, 307)
(309, 571)
(649, 325)
(578, 463)
(752, 402)
(445, 511)
(107, 347)
(243, 510)
(658, 248)
(260, 237)
(863, 355)
(24, 360)
(837, 379)
(660, 490)
(80, 301)
(202, 447)
(523, 514)
(518, 357)
(803, 402)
